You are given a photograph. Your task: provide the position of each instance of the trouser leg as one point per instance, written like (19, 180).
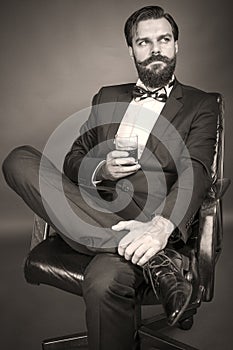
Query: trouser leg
(110, 281)
(109, 291)
(59, 201)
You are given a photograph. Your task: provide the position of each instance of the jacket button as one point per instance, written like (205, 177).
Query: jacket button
(125, 188)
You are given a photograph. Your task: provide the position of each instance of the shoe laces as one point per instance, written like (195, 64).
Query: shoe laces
(151, 265)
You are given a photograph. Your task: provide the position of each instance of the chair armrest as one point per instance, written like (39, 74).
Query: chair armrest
(219, 188)
(206, 252)
(210, 236)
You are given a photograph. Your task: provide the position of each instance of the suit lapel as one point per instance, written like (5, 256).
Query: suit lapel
(173, 104)
(168, 113)
(120, 107)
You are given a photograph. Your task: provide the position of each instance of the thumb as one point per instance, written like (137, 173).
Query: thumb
(122, 225)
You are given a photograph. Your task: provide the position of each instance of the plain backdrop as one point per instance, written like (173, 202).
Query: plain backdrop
(54, 56)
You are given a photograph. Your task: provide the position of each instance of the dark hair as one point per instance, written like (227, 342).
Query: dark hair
(143, 14)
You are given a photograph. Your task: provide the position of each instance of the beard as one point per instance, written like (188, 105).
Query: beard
(156, 76)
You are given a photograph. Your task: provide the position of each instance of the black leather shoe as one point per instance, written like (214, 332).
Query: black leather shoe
(168, 283)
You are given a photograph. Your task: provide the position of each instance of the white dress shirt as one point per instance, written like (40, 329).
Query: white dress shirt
(140, 118)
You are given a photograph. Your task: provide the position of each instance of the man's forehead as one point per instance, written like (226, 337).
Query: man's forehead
(150, 27)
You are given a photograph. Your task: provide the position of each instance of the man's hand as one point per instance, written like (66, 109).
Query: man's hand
(117, 166)
(144, 240)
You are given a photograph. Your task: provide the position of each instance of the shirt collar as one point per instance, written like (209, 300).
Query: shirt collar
(167, 87)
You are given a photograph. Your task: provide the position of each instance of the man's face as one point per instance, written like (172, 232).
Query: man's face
(154, 52)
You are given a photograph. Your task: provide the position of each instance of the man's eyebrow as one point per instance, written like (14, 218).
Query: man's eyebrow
(142, 39)
(159, 38)
(165, 35)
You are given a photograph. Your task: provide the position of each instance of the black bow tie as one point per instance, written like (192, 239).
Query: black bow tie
(140, 94)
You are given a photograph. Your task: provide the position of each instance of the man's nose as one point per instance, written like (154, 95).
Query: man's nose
(155, 48)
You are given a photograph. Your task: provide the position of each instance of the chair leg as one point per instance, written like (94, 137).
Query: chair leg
(71, 342)
(159, 321)
(151, 338)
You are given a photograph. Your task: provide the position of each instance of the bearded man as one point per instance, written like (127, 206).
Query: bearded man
(141, 209)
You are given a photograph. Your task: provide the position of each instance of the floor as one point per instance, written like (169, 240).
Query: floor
(30, 314)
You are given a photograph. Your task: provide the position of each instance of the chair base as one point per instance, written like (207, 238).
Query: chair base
(70, 342)
(149, 335)
(149, 339)
(152, 340)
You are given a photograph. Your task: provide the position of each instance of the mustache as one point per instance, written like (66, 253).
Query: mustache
(154, 58)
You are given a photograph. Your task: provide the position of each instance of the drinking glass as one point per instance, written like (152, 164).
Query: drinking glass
(128, 144)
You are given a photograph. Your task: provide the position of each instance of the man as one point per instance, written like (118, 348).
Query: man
(141, 212)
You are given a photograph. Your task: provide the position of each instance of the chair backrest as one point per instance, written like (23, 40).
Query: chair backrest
(210, 215)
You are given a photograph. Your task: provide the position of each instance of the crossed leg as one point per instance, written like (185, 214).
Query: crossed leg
(80, 217)
(110, 284)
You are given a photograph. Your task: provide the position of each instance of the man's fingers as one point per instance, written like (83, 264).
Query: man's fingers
(131, 248)
(119, 164)
(115, 170)
(118, 154)
(122, 225)
(123, 161)
(125, 241)
(125, 169)
(145, 257)
(139, 251)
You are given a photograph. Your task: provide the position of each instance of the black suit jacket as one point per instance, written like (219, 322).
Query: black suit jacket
(175, 170)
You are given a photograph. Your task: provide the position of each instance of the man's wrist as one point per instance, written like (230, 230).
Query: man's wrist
(166, 225)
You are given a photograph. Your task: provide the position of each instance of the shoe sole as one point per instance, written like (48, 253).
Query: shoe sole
(176, 319)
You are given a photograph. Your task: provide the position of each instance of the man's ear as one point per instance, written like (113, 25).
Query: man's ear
(176, 46)
(130, 51)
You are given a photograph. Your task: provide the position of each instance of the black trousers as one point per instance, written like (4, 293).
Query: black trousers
(111, 282)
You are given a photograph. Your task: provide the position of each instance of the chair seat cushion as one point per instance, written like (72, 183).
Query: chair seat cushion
(53, 262)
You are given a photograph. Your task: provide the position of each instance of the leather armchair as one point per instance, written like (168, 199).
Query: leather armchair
(52, 262)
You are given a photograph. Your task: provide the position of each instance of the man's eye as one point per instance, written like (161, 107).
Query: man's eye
(165, 40)
(143, 43)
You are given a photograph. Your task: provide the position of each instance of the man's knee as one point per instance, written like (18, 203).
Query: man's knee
(104, 278)
(11, 163)
(96, 289)
(15, 165)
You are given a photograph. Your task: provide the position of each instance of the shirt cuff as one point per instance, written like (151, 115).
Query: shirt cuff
(94, 175)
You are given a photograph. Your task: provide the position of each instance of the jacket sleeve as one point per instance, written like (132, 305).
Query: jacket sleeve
(194, 176)
(81, 161)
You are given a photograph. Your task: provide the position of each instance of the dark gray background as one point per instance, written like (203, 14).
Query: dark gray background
(56, 54)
